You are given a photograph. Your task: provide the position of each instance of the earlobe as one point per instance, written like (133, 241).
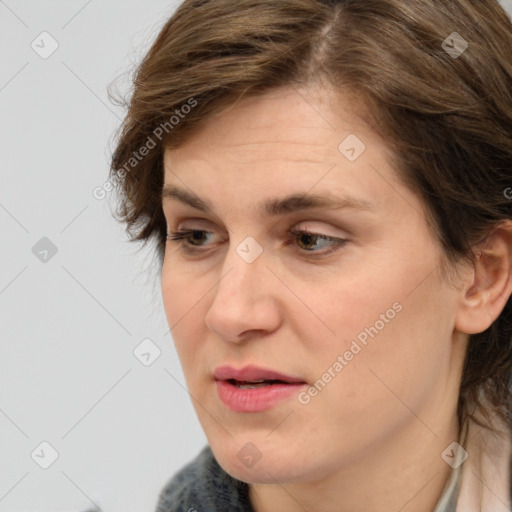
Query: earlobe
(489, 285)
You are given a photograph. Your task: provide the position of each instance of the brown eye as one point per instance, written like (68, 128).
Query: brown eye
(197, 237)
(308, 241)
(194, 237)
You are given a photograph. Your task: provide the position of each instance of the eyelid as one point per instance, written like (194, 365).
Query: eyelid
(184, 232)
(322, 231)
(197, 225)
(335, 243)
(189, 223)
(297, 227)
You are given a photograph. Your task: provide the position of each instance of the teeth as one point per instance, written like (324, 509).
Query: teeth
(260, 384)
(251, 384)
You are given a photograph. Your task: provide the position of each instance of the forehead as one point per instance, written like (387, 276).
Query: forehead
(285, 143)
(299, 125)
(312, 127)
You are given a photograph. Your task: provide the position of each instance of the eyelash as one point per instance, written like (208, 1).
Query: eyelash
(181, 237)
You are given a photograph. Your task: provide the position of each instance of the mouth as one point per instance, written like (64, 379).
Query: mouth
(254, 389)
(254, 375)
(254, 384)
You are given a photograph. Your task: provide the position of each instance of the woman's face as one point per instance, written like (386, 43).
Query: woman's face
(367, 324)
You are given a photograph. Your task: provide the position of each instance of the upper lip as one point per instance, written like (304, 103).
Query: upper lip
(252, 373)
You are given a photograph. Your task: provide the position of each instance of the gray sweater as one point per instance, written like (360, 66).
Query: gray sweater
(203, 486)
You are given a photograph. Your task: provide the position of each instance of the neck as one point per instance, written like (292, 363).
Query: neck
(486, 475)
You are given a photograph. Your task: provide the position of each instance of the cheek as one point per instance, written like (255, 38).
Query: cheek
(184, 310)
(392, 335)
(172, 297)
(181, 290)
(388, 364)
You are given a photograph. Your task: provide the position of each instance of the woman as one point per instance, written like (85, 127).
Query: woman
(328, 184)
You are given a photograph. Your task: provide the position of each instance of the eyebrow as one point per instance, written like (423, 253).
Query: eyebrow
(274, 207)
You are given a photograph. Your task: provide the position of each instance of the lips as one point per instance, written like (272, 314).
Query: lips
(253, 375)
(252, 389)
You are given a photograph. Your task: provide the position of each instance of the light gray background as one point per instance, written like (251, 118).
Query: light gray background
(69, 326)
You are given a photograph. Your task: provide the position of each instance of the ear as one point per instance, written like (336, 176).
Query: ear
(489, 286)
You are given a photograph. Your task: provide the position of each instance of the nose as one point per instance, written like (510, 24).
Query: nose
(245, 302)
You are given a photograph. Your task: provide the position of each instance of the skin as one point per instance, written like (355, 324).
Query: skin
(372, 438)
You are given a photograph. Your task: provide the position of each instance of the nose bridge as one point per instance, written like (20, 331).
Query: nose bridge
(241, 295)
(243, 269)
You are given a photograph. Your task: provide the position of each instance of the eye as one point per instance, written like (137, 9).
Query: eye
(192, 240)
(308, 241)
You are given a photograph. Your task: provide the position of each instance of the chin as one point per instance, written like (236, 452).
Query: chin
(261, 473)
(265, 467)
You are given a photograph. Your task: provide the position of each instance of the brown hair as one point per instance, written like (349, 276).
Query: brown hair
(446, 115)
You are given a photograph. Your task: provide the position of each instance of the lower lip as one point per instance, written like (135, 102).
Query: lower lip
(256, 399)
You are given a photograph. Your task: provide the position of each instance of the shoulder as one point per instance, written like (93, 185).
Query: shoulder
(203, 486)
